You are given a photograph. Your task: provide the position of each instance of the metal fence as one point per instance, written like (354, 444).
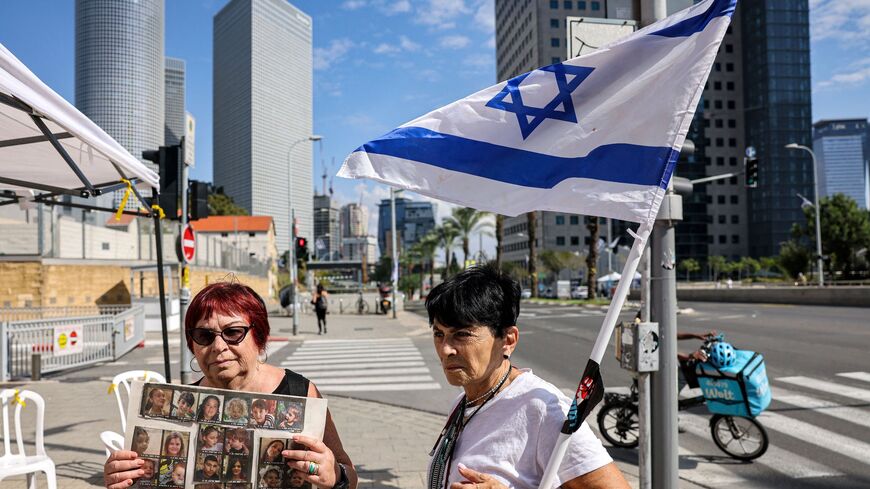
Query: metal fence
(32, 344)
(31, 313)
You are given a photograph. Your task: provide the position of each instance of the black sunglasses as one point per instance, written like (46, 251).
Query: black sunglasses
(231, 336)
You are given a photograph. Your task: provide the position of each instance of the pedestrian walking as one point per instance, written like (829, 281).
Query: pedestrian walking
(321, 304)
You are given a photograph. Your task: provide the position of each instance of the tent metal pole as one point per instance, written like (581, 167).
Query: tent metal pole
(32, 139)
(62, 151)
(158, 231)
(47, 188)
(89, 207)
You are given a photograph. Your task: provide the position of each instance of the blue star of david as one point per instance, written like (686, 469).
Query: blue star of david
(530, 118)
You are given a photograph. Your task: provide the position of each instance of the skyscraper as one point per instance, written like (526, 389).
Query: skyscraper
(842, 148)
(777, 111)
(413, 221)
(263, 110)
(327, 233)
(354, 221)
(119, 70)
(174, 106)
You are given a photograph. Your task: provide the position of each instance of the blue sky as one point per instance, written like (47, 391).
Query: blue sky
(380, 63)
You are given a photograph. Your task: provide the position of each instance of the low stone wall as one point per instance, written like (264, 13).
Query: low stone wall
(814, 296)
(39, 284)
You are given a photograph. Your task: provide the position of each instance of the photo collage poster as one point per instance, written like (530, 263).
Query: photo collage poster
(209, 438)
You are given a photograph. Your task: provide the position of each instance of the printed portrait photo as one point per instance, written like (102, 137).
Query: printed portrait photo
(291, 415)
(238, 441)
(171, 473)
(295, 479)
(270, 476)
(184, 405)
(156, 401)
(238, 485)
(209, 407)
(209, 485)
(208, 467)
(211, 438)
(150, 466)
(263, 413)
(270, 450)
(146, 441)
(238, 469)
(174, 444)
(236, 411)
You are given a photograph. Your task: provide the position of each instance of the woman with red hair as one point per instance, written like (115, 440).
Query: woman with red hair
(227, 327)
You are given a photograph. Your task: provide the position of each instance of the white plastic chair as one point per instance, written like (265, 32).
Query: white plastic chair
(17, 463)
(109, 438)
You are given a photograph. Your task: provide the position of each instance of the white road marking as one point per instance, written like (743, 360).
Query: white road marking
(345, 354)
(321, 368)
(829, 387)
(356, 360)
(383, 387)
(822, 438)
(324, 381)
(828, 408)
(864, 376)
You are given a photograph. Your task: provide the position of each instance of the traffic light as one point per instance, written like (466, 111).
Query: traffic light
(751, 172)
(301, 249)
(168, 159)
(198, 207)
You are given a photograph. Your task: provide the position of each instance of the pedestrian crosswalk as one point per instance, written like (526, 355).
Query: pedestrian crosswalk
(816, 426)
(369, 365)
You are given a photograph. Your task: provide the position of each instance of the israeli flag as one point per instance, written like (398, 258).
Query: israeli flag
(596, 135)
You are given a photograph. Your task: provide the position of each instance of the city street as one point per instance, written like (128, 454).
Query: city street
(819, 421)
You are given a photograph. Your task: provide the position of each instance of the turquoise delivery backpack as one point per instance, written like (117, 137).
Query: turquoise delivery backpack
(739, 390)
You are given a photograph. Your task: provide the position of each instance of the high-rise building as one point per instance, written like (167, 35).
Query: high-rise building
(263, 110)
(174, 101)
(842, 149)
(413, 221)
(119, 70)
(327, 233)
(777, 111)
(354, 220)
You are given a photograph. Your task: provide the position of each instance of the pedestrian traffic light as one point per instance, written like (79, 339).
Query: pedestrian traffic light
(751, 172)
(167, 158)
(301, 249)
(198, 200)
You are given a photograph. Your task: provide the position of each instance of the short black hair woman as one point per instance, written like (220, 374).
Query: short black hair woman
(227, 327)
(504, 427)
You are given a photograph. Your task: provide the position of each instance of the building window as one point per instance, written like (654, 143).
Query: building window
(717, 104)
(575, 240)
(709, 199)
(723, 239)
(729, 48)
(706, 104)
(729, 66)
(733, 199)
(720, 199)
(732, 105)
(729, 86)
(720, 142)
(732, 142)
(735, 239)
(717, 85)
(722, 219)
(735, 219)
(574, 220)
(718, 123)
(732, 161)
(554, 42)
(581, 5)
(720, 161)
(567, 4)
(560, 220)
(560, 241)
(554, 23)
(105, 246)
(554, 4)
(733, 181)
(732, 123)
(596, 5)
(224, 235)
(717, 66)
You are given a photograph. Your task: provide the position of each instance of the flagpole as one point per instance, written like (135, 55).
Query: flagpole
(604, 334)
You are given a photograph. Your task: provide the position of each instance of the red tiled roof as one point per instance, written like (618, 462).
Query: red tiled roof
(229, 224)
(125, 221)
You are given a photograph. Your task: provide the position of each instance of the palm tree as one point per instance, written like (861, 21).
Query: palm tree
(447, 234)
(533, 251)
(467, 220)
(428, 245)
(499, 238)
(592, 257)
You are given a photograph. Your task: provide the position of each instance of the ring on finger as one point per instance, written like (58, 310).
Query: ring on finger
(313, 468)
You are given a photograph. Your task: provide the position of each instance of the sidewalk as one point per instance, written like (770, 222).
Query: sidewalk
(388, 444)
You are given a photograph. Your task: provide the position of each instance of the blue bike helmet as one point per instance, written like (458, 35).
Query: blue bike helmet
(722, 355)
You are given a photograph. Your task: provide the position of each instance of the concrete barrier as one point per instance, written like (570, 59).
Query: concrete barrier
(813, 296)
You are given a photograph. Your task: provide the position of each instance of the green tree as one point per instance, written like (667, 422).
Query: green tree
(427, 248)
(845, 231)
(499, 238)
(717, 265)
(794, 258)
(447, 235)
(551, 263)
(749, 265)
(467, 220)
(768, 263)
(689, 265)
(220, 204)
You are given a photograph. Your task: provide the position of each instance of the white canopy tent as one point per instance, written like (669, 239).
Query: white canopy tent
(615, 276)
(48, 148)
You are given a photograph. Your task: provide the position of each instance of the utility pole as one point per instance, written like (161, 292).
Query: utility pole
(395, 273)
(643, 387)
(293, 287)
(184, 294)
(818, 211)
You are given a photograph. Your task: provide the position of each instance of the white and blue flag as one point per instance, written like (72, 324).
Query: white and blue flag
(596, 135)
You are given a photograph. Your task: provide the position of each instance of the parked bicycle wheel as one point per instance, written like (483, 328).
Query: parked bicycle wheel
(741, 438)
(618, 424)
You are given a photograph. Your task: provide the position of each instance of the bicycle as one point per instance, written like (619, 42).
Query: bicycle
(741, 437)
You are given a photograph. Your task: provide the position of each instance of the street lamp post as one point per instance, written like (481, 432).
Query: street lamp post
(395, 273)
(292, 217)
(818, 209)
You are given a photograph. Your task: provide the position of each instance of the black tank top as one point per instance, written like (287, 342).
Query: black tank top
(292, 384)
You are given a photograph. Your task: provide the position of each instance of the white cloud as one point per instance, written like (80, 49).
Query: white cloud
(490, 43)
(324, 57)
(399, 7)
(359, 120)
(407, 44)
(846, 21)
(858, 73)
(353, 4)
(384, 48)
(480, 61)
(454, 42)
(484, 16)
(441, 13)
(403, 45)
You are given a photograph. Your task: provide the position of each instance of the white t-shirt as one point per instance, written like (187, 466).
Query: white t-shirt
(513, 435)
